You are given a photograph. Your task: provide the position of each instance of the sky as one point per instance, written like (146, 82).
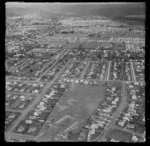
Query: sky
(108, 9)
(28, 4)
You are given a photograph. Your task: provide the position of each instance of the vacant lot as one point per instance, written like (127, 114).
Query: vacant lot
(120, 136)
(79, 101)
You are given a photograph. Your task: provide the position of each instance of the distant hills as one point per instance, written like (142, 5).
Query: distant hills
(111, 10)
(16, 11)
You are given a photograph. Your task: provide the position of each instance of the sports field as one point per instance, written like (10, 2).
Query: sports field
(79, 102)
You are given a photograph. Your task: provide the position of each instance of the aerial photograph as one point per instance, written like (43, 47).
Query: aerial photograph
(75, 72)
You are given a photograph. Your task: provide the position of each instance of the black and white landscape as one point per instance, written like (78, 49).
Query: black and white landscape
(75, 72)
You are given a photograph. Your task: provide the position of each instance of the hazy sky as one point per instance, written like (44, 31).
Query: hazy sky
(29, 4)
(108, 9)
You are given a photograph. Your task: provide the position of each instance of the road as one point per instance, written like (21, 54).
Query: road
(9, 133)
(39, 96)
(22, 64)
(56, 77)
(30, 81)
(116, 114)
(82, 75)
(100, 80)
(32, 105)
(108, 71)
(60, 57)
(132, 71)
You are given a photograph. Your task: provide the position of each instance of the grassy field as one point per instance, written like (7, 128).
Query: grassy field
(79, 102)
(120, 135)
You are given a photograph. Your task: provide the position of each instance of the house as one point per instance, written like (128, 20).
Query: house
(136, 83)
(134, 97)
(121, 123)
(130, 86)
(113, 140)
(86, 82)
(126, 118)
(130, 126)
(76, 81)
(134, 138)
